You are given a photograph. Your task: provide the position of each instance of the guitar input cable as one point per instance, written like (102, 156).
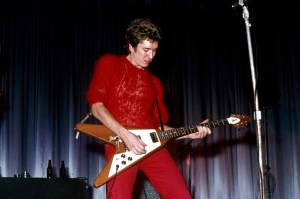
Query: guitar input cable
(114, 179)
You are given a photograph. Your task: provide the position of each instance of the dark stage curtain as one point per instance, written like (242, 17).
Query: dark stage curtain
(48, 51)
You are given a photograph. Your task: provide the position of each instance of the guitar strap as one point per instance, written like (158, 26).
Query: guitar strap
(159, 115)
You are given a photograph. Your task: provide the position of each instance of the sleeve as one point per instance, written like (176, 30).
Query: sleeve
(98, 87)
(160, 98)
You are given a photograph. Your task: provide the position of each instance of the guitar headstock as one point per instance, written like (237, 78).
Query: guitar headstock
(239, 121)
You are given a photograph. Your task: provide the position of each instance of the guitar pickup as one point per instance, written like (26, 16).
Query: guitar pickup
(153, 137)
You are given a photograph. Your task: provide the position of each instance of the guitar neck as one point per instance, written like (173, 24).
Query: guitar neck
(182, 131)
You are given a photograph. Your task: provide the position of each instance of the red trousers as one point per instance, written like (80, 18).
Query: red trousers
(160, 169)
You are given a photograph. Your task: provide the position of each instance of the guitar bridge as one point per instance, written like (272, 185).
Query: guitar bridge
(113, 138)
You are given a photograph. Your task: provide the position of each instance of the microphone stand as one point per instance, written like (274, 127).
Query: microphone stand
(189, 150)
(257, 112)
(81, 122)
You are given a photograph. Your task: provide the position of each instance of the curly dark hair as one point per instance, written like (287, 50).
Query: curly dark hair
(140, 29)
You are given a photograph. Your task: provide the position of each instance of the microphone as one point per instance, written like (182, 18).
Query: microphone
(239, 3)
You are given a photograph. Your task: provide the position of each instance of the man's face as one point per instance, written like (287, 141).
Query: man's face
(143, 54)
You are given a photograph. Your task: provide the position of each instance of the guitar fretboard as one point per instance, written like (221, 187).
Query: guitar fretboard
(178, 132)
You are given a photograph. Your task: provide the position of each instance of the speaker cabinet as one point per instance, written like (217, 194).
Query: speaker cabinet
(43, 188)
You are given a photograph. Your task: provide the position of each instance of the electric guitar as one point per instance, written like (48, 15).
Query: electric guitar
(153, 138)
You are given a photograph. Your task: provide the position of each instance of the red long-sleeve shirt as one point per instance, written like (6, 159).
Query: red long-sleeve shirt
(127, 92)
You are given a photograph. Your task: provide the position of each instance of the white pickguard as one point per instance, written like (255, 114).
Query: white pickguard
(126, 159)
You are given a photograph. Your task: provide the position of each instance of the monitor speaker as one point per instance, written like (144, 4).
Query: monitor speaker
(43, 188)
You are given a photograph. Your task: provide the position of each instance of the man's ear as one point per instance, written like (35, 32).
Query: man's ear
(131, 48)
